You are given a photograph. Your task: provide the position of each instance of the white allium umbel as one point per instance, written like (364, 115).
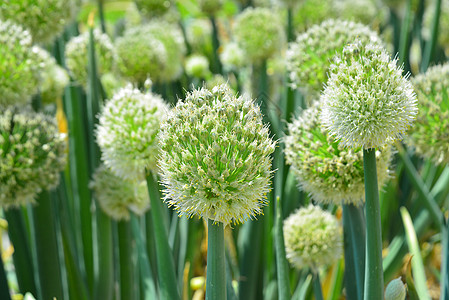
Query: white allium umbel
(367, 102)
(32, 155)
(215, 156)
(232, 56)
(197, 65)
(76, 52)
(128, 132)
(45, 19)
(310, 55)
(19, 67)
(430, 135)
(259, 33)
(324, 169)
(313, 238)
(117, 196)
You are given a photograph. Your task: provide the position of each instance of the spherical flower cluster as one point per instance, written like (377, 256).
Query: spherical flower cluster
(323, 168)
(363, 11)
(171, 36)
(76, 53)
(128, 132)
(45, 19)
(198, 33)
(259, 33)
(32, 154)
(154, 8)
(216, 79)
(140, 55)
(53, 78)
(395, 290)
(215, 156)
(18, 65)
(197, 65)
(117, 196)
(430, 135)
(312, 12)
(310, 56)
(367, 102)
(210, 6)
(312, 238)
(232, 57)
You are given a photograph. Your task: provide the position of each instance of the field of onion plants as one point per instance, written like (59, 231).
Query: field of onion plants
(224, 149)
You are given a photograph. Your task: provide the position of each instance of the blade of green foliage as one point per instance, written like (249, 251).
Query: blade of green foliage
(125, 244)
(430, 45)
(354, 249)
(146, 277)
(4, 288)
(47, 248)
(423, 191)
(281, 260)
(419, 274)
(444, 281)
(405, 33)
(23, 263)
(317, 291)
(165, 262)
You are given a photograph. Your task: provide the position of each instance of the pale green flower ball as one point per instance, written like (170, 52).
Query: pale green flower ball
(141, 55)
(259, 32)
(216, 79)
(395, 290)
(154, 8)
(197, 65)
(232, 57)
(117, 196)
(430, 135)
(128, 132)
(310, 56)
(198, 33)
(19, 65)
(53, 78)
(45, 19)
(215, 156)
(323, 168)
(76, 53)
(367, 102)
(312, 238)
(210, 7)
(32, 154)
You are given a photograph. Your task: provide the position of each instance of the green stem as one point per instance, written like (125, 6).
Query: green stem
(126, 262)
(216, 44)
(444, 282)
(101, 12)
(374, 281)
(23, 262)
(317, 291)
(430, 45)
(216, 271)
(105, 259)
(47, 248)
(281, 261)
(405, 32)
(354, 248)
(149, 288)
(165, 262)
(4, 288)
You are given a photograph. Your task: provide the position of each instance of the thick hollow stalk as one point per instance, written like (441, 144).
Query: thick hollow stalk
(165, 262)
(216, 44)
(374, 282)
(317, 291)
(354, 248)
(47, 248)
(23, 262)
(216, 269)
(126, 262)
(281, 261)
(4, 288)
